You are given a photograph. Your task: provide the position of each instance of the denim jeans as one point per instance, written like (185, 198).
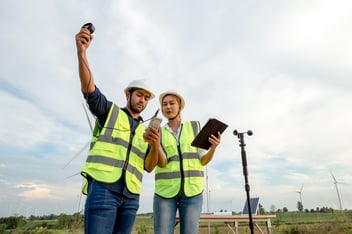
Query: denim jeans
(165, 213)
(108, 212)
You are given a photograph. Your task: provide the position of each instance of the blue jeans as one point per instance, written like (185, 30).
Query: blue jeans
(165, 212)
(108, 212)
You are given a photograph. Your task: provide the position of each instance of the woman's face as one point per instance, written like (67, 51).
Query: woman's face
(170, 106)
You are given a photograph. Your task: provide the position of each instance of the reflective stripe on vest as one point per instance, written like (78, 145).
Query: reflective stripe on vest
(168, 179)
(114, 148)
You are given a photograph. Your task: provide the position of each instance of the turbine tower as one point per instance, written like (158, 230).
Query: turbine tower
(337, 189)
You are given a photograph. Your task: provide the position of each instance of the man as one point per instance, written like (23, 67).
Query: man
(118, 154)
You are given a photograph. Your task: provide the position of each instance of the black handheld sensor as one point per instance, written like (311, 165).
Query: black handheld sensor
(89, 26)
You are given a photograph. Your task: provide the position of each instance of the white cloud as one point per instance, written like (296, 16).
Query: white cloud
(36, 192)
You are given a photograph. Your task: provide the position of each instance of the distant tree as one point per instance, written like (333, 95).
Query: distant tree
(261, 209)
(11, 222)
(299, 206)
(65, 221)
(284, 209)
(52, 217)
(325, 210)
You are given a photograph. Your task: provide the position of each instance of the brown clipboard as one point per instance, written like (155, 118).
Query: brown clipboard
(212, 126)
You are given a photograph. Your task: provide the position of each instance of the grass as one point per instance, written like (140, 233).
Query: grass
(285, 223)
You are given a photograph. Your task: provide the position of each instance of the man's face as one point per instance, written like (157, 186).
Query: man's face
(138, 100)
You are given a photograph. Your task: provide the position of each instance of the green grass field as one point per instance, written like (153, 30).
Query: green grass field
(289, 223)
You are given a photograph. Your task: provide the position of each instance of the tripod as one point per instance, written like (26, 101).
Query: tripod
(245, 173)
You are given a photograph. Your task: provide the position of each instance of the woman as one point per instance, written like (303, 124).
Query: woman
(179, 176)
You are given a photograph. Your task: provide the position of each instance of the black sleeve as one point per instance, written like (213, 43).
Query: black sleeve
(98, 105)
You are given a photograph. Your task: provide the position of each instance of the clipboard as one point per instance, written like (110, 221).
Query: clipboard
(212, 126)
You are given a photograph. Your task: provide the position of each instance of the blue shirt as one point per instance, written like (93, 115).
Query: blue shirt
(100, 106)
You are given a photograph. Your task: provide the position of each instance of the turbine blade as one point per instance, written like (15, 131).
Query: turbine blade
(333, 176)
(79, 152)
(78, 173)
(90, 124)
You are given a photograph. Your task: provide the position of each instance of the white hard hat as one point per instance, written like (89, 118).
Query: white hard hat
(140, 84)
(174, 93)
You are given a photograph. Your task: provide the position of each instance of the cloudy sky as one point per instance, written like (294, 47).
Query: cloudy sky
(279, 68)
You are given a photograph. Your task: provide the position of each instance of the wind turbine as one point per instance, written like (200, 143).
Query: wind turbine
(300, 194)
(78, 153)
(337, 189)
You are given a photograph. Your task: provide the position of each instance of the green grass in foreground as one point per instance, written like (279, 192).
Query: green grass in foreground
(286, 223)
(290, 223)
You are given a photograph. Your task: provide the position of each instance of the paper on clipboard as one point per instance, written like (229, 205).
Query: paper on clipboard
(211, 127)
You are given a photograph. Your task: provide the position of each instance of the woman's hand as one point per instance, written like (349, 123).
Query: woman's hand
(215, 141)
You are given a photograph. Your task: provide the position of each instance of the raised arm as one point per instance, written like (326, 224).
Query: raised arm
(83, 40)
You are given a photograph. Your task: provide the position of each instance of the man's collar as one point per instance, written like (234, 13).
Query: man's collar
(129, 114)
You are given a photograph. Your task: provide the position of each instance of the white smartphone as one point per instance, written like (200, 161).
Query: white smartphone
(155, 122)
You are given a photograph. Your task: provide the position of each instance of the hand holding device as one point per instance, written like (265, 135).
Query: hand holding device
(90, 27)
(155, 121)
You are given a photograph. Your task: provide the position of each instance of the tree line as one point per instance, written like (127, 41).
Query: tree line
(76, 220)
(62, 221)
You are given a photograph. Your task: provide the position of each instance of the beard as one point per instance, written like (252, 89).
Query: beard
(136, 108)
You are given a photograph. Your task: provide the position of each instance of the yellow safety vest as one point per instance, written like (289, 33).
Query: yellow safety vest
(183, 163)
(114, 149)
